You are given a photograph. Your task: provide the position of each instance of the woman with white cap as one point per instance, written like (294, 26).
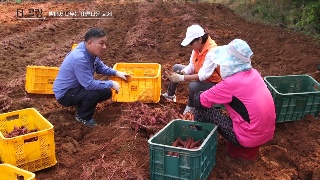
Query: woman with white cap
(251, 120)
(201, 72)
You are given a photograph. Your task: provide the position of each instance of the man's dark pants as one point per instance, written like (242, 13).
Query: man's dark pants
(85, 100)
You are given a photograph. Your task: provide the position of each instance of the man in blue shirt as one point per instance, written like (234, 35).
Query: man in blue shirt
(75, 84)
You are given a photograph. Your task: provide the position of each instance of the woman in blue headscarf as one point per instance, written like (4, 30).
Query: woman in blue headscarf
(251, 120)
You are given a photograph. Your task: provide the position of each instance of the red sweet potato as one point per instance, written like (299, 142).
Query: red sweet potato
(17, 131)
(194, 144)
(189, 142)
(174, 144)
(183, 144)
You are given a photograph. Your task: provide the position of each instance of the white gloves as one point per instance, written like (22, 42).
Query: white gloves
(174, 77)
(122, 75)
(116, 86)
(180, 72)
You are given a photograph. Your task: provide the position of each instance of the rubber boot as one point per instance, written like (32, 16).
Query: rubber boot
(248, 153)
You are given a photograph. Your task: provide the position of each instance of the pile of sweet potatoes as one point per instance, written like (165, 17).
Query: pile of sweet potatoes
(189, 143)
(17, 131)
(5, 103)
(150, 119)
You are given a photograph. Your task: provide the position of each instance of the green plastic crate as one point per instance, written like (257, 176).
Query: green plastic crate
(190, 163)
(294, 96)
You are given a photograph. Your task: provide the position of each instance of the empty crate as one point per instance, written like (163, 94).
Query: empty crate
(294, 96)
(39, 79)
(144, 84)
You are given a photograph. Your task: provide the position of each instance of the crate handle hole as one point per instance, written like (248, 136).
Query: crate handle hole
(50, 81)
(316, 87)
(195, 127)
(134, 88)
(20, 177)
(172, 154)
(13, 117)
(31, 140)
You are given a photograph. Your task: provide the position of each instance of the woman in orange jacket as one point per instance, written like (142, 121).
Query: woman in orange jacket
(201, 72)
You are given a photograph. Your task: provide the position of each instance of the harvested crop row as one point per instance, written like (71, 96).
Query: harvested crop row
(143, 117)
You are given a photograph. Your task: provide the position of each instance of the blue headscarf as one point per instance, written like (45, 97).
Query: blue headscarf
(233, 58)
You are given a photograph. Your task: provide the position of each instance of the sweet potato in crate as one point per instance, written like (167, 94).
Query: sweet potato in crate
(10, 172)
(33, 151)
(294, 96)
(39, 79)
(144, 84)
(170, 162)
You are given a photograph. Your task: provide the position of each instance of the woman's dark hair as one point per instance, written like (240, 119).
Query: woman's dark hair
(204, 39)
(94, 33)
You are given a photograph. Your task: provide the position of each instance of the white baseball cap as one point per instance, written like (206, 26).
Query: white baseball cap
(193, 32)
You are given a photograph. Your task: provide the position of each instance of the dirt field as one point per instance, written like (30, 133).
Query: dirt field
(152, 32)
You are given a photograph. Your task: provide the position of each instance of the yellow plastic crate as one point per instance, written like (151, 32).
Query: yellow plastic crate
(9, 172)
(19, 151)
(39, 79)
(144, 85)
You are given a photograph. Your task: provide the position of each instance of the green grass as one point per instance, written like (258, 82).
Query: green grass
(300, 15)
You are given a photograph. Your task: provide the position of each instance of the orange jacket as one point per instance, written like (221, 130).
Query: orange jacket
(199, 57)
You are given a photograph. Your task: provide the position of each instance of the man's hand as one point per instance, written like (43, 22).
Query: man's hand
(122, 75)
(174, 77)
(116, 86)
